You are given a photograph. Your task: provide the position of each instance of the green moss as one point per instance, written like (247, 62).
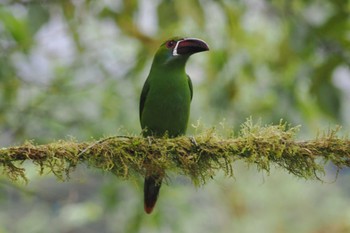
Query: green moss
(198, 158)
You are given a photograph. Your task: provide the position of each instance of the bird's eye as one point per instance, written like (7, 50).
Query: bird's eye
(170, 44)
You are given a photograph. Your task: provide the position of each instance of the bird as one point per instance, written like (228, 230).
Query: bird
(165, 101)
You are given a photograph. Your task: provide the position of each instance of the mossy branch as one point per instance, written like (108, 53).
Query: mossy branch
(199, 157)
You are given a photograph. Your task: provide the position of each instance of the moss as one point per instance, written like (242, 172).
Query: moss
(198, 158)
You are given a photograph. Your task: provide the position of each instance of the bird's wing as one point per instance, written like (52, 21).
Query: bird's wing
(143, 97)
(190, 85)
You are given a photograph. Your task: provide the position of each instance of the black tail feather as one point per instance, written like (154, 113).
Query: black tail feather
(151, 191)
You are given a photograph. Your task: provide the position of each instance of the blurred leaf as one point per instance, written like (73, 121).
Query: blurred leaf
(68, 9)
(9, 84)
(217, 61)
(18, 29)
(37, 17)
(192, 9)
(327, 95)
(167, 14)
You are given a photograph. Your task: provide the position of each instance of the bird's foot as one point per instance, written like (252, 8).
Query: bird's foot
(149, 138)
(193, 140)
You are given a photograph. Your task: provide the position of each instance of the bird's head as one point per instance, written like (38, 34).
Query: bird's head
(177, 50)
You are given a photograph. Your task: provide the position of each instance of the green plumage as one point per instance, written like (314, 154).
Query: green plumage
(165, 100)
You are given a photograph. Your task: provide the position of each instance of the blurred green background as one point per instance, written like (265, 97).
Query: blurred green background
(75, 69)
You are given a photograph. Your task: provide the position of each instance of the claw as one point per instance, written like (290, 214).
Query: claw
(193, 140)
(149, 138)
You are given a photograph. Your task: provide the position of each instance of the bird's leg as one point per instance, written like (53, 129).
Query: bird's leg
(193, 140)
(149, 138)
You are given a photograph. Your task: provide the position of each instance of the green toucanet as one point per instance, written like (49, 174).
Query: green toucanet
(165, 100)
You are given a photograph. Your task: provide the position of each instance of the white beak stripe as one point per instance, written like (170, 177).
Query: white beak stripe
(175, 49)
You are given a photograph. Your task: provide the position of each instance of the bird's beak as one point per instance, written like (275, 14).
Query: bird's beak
(189, 46)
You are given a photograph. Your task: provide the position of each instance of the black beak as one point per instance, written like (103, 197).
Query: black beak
(190, 46)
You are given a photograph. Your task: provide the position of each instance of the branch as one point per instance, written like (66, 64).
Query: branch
(199, 157)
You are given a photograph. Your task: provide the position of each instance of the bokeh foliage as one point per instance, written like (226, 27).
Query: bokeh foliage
(76, 68)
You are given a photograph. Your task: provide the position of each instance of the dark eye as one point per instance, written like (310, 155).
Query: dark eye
(170, 44)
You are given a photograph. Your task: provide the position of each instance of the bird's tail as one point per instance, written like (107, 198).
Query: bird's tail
(151, 191)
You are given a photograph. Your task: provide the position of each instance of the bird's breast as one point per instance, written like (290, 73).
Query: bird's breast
(167, 109)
